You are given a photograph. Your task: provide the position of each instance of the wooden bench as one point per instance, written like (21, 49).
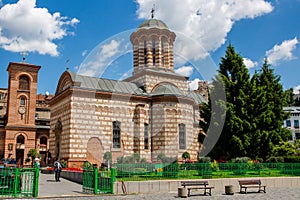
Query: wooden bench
(193, 185)
(255, 183)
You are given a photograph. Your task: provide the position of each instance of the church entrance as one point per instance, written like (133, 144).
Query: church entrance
(20, 156)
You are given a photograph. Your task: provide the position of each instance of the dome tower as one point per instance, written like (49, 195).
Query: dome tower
(153, 46)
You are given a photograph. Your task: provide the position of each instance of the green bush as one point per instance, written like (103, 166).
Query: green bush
(274, 159)
(204, 159)
(292, 159)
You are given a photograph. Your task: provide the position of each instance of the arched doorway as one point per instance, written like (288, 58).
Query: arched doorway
(57, 131)
(20, 146)
(94, 151)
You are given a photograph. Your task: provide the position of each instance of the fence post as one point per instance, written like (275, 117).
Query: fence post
(16, 182)
(96, 180)
(112, 179)
(36, 180)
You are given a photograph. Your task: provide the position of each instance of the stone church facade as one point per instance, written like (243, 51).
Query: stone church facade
(149, 113)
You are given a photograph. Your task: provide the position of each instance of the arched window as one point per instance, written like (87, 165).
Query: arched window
(43, 141)
(182, 142)
(162, 52)
(145, 52)
(21, 139)
(153, 52)
(22, 101)
(23, 83)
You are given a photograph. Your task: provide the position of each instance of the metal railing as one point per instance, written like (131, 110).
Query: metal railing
(135, 172)
(19, 182)
(95, 182)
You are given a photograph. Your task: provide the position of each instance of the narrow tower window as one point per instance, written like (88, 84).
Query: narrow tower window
(146, 136)
(162, 52)
(116, 134)
(153, 52)
(22, 101)
(145, 52)
(182, 142)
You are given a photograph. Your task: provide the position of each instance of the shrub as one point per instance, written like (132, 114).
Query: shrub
(292, 159)
(186, 155)
(274, 159)
(204, 159)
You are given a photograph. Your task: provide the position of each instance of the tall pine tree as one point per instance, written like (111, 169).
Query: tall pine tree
(236, 81)
(254, 110)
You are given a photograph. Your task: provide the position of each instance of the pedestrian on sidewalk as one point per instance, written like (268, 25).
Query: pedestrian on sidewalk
(57, 170)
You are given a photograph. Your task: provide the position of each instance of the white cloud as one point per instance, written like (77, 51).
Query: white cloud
(84, 53)
(184, 71)
(205, 22)
(282, 52)
(249, 63)
(193, 85)
(296, 89)
(104, 56)
(24, 27)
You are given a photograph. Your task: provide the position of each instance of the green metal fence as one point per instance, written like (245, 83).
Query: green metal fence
(19, 182)
(130, 172)
(95, 182)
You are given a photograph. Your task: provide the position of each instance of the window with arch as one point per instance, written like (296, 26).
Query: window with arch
(182, 142)
(116, 134)
(162, 52)
(23, 82)
(22, 101)
(153, 51)
(43, 141)
(146, 136)
(21, 139)
(145, 52)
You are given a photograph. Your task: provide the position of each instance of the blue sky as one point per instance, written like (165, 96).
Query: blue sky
(92, 37)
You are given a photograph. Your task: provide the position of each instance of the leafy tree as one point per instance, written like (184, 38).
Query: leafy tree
(284, 149)
(33, 153)
(107, 157)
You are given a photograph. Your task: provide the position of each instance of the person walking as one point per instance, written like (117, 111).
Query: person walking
(57, 170)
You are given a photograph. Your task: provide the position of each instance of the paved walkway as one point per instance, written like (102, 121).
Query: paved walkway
(48, 187)
(67, 190)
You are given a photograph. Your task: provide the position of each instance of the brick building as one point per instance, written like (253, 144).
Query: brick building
(149, 113)
(24, 115)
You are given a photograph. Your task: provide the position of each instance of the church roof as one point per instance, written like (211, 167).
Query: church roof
(153, 23)
(71, 79)
(167, 89)
(198, 98)
(105, 85)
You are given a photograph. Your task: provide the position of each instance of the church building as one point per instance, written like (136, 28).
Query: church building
(149, 113)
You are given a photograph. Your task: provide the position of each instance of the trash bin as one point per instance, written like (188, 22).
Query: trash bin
(229, 189)
(182, 192)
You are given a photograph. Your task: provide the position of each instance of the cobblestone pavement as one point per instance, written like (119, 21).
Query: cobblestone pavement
(67, 190)
(272, 193)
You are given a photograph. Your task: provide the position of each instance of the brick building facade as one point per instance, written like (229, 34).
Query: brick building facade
(24, 115)
(149, 113)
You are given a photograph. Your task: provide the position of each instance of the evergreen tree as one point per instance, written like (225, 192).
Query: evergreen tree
(236, 81)
(254, 110)
(269, 115)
